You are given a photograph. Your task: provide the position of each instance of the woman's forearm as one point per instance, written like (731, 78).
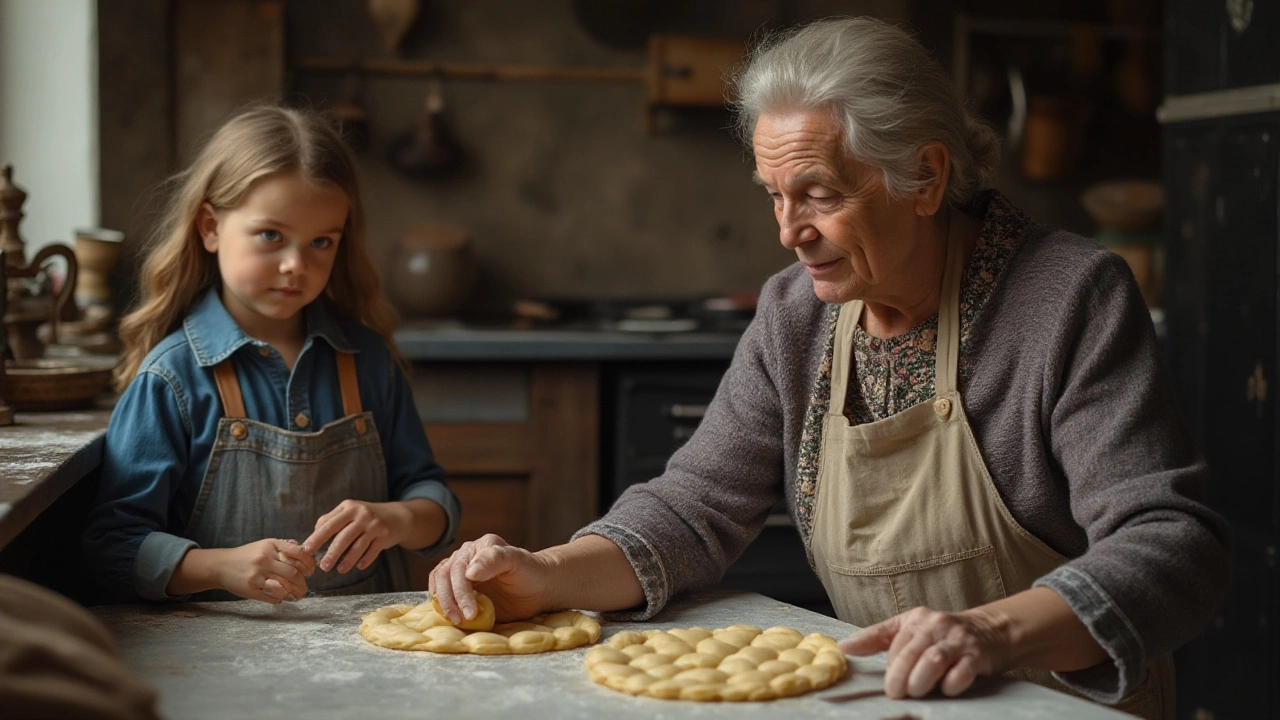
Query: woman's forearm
(1041, 631)
(591, 573)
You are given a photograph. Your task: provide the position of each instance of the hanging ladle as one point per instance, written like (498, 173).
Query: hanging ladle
(428, 150)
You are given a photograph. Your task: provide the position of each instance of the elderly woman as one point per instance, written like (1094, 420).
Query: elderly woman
(964, 410)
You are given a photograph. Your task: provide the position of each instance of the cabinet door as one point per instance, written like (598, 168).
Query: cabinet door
(1241, 338)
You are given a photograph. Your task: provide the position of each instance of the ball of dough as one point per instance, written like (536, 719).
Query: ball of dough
(483, 621)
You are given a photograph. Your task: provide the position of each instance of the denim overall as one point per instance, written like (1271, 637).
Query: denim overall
(267, 482)
(906, 513)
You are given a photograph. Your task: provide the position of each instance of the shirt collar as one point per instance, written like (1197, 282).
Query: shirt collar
(214, 334)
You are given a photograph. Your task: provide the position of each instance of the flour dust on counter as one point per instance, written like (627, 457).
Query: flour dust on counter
(306, 659)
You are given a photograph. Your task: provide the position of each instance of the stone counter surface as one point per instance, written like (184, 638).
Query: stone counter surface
(41, 456)
(307, 660)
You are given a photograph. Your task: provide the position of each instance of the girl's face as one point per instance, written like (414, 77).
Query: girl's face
(275, 251)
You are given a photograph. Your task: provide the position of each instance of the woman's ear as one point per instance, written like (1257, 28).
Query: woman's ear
(207, 226)
(933, 161)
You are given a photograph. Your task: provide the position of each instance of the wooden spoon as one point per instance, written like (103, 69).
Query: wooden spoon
(393, 18)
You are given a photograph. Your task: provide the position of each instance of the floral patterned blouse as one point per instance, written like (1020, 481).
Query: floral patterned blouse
(896, 373)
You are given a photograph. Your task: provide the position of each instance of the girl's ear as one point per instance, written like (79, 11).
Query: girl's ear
(934, 163)
(207, 226)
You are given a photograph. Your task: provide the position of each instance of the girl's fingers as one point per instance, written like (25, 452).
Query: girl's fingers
(338, 547)
(355, 553)
(327, 526)
(370, 555)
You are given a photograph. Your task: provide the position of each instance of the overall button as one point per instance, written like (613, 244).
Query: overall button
(361, 426)
(239, 431)
(302, 420)
(264, 351)
(942, 407)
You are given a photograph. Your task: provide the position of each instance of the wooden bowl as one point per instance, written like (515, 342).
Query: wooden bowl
(1124, 205)
(56, 384)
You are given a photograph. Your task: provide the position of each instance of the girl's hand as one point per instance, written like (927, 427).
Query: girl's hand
(269, 570)
(357, 532)
(930, 649)
(516, 580)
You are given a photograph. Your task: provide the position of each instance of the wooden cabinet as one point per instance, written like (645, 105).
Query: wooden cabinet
(1222, 236)
(1220, 45)
(520, 445)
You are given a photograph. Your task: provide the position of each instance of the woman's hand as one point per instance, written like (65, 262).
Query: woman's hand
(357, 532)
(930, 649)
(516, 580)
(269, 570)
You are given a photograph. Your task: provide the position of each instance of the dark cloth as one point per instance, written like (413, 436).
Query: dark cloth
(58, 661)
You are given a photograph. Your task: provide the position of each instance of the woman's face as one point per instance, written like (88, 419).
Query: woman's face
(853, 239)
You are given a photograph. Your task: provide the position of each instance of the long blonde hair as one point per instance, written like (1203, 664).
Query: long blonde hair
(259, 142)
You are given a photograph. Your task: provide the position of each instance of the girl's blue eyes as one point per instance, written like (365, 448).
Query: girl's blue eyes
(273, 236)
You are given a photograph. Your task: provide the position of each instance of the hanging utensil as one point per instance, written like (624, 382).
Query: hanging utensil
(393, 19)
(429, 149)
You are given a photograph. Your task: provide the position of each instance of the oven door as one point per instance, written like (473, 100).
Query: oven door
(652, 409)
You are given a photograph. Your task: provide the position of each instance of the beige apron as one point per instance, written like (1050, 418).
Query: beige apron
(906, 513)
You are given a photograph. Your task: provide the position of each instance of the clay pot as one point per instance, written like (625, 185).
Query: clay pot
(432, 270)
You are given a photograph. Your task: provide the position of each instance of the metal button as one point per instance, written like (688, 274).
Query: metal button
(361, 426)
(264, 351)
(302, 420)
(239, 431)
(942, 407)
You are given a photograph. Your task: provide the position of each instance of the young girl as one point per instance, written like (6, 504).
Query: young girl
(264, 412)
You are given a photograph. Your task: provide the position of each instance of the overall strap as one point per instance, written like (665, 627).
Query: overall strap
(348, 383)
(947, 358)
(229, 389)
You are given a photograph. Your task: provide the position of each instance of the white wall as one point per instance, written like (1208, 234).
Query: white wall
(49, 113)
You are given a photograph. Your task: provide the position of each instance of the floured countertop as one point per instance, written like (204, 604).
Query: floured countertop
(42, 455)
(307, 661)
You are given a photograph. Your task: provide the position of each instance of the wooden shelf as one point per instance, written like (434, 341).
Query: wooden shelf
(474, 71)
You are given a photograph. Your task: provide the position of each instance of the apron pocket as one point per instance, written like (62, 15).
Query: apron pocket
(950, 583)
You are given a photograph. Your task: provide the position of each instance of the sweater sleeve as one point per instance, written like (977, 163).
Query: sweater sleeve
(684, 528)
(1156, 566)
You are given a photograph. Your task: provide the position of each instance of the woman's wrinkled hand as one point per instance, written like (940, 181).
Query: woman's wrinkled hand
(357, 532)
(515, 579)
(934, 650)
(269, 570)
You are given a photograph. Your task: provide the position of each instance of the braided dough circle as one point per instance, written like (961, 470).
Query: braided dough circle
(737, 663)
(422, 627)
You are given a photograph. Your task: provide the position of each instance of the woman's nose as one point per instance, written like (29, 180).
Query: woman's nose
(794, 229)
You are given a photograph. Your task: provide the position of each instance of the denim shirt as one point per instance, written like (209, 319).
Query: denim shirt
(163, 428)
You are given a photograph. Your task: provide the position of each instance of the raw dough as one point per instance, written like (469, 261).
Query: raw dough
(736, 663)
(422, 627)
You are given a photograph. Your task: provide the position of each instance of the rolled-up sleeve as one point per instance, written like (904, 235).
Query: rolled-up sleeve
(412, 470)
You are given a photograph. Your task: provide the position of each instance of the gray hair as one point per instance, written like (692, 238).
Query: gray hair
(889, 95)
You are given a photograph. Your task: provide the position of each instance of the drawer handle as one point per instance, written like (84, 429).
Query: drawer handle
(683, 411)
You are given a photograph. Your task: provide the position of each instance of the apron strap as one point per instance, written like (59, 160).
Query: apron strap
(947, 358)
(348, 383)
(229, 389)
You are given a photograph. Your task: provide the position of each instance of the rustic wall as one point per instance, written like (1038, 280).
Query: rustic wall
(563, 193)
